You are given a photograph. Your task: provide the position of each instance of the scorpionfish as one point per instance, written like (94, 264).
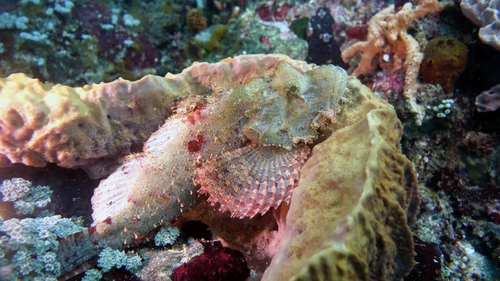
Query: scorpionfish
(243, 147)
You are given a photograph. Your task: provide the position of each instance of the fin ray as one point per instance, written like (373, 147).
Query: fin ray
(252, 179)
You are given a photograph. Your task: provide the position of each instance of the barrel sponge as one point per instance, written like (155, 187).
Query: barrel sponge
(91, 127)
(349, 216)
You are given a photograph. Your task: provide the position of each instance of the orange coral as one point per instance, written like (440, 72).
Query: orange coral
(445, 59)
(195, 20)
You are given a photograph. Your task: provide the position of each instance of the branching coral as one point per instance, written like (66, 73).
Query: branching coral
(387, 33)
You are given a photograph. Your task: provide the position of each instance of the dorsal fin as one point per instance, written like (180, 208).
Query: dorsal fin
(250, 180)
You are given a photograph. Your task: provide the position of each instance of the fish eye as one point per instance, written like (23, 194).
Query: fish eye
(292, 87)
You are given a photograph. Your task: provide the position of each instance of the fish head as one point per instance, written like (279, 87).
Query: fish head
(293, 105)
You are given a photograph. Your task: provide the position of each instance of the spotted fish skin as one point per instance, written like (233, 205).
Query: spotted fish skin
(270, 118)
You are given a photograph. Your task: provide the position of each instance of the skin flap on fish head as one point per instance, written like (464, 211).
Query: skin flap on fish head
(293, 106)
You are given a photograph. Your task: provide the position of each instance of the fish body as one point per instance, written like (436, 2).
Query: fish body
(243, 147)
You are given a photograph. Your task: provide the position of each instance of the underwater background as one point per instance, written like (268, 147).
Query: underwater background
(436, 62)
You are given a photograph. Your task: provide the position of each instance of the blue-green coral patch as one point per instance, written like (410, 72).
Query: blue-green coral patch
(28, 247)
(24, 196)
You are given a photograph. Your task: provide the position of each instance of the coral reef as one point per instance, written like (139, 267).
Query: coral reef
(210, 38)
(350, 222)
(250, 35)
(486, 14)
(445, 59)
(84, 42)
(273, 11)
(314, 97)
(455, 151)
(387, 33)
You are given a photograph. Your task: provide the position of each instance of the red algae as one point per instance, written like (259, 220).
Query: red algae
(216, 263)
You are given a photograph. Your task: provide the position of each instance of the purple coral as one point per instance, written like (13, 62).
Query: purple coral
(428, 260)
(489, 100)
(393, 82)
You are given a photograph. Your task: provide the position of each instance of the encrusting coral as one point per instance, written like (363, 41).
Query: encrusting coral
(86, 127)
(387, 33)
(355, 195)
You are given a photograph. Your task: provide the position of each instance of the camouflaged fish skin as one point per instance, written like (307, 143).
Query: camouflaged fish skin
(279, 113)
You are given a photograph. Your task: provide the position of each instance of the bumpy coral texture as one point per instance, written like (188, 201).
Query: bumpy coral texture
(348, 218)
(445, 59)
(85, 127)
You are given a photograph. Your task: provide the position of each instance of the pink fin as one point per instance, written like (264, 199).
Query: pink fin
(250, 180)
